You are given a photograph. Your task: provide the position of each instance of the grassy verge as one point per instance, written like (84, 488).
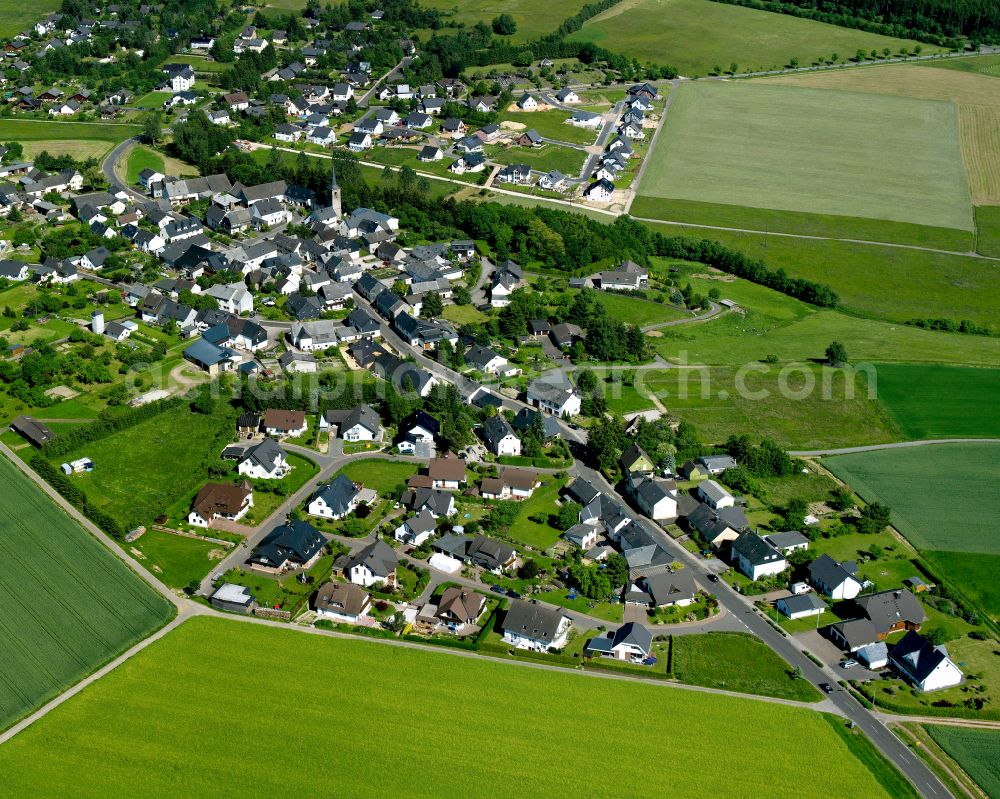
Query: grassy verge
(888, 776)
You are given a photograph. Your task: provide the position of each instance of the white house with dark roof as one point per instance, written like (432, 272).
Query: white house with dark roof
(561, 400)
(836, 580)
(923, 665)
(755, 557)
(714, 495)
(529, 625)
(263, 461)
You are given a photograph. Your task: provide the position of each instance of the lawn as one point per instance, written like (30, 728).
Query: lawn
(140, 472)
(18, 16)
(975, 95)
(737, 662)
(552, 125)
(46, 130)
(695, 36)
(567, 160)
(941, 401)
(380, 475)
(988, 230)
(976, 751)
(943, 502)
(175, 559)
(284, 593)
(154, 706)
(199, 63)
(69, 605)
(463, 314)
(804, 138)
(533, 21)
(80, 149)
(532, 525)
(141, 158)
(637, 311)
(772, 401)
(153, 100)
(798, 222)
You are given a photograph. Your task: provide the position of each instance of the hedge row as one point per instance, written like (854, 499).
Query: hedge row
(107, 424)
(75, 496)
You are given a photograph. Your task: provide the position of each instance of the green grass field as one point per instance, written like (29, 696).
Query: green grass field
(943, 501)
(16, 17)
(737, 662)
(69, 605)
(695, 36)
(988, 230)
(567, 160)
(637, 311)
(552, 125)
(380, 475)
(983, 65)
(141, 158)
(976, 751)
(43, 129)
(721, 401)
(805, 139)
(177, 560)
(875, 281)
(140, 472)
(533, 21)
(803, 224)
(154, 705)
(941, 401)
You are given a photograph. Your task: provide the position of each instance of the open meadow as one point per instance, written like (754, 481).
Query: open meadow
(533, 21)
(176, 560)
(976, 751)
(934, 401)
(18, 16)
(141, 471)
(943, 501)
(50, 130)
(696, 36)
(140, 158)
(69, 605)
(975, 95)
(762, 145)
(536, 732)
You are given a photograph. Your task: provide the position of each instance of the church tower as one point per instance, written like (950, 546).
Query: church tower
(334, 190)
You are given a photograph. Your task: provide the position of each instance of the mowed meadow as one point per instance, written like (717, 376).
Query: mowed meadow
(67, 605)
(788, 148)
(696, 36)
(944, 501)
(374, 720)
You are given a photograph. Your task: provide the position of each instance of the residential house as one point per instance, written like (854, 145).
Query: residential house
(529, 625)
(360, 423)
(342, 602)
(788, 542)
(440, 504)
(655, 498)
(417, 529)
(233, 298)
(335, 500)
(220, 500)
(716, 527)
(631, 642)
(374, 564)
(836, 580)
(634, 459)
(716, 464)
(500, 438)
(295, 544)
(301, 362)
(459, 606)
(925, 666)
(233, 598)
(510, 484)
(801, 606)
(755, 557)
(600, 191)
(210, 357)
(664, 589)
(485, 360)
(447, 473)
(714, 495)
(585, 119)
(561, 400)
(284, 423)
(263, 461)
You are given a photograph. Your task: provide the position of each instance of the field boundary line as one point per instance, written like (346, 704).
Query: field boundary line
(818, 453)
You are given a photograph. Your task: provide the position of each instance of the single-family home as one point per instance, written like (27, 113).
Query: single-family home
(263, 461)
(714, 495)
(530, 625)
(417, 529)
(342, 602)
(220, 500)
(459, 606)
(446, 473)
(755, 557)
(295, 544)
(663, 589)
(335, 500)
(500, 438)
(374, 564)
(561, 400)
(801, 606)
(833, 579)
(360, 423)
(631, 642)
(285, 423)
(925, 666)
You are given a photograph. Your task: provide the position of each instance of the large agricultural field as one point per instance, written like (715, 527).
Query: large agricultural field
(154, 705)
(976, 751)
(696, 36)
(941, 401)
(976, 96)
(18, 16)
(68, 604)
(762, 145)
(533, 20)
(51, 130)
(944, 501)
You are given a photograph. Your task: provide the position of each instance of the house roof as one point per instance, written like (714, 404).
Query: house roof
(783, 541)
(296, 542)
(461, 603)
(635, 634)
(378, 557)
(224, 499)
(857, 632)
(633, 454)
(887, 608)
(828, 572)
(447, 468)
(338, 494)
(755, 550)
(284, 420)
(714, 462)
(34, 431)
(266, 454)
(916, 657)
(346, 599)
(667, 587)
(496, 429)
(800, 603)
(531, 620)
(713, 491)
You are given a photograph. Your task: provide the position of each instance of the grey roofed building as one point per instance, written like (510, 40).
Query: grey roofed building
(710, 522)
(581, 491)
(800, 603)
(343, 599)
(526, 416)
(482, 398)
(888, 610)
(399, 373)
(435, 500)
(378, 557)
(480, 357)
(641, 552)
(495, 429)
(302, 307)
(362, 414)
(915, 658)
(717, 464)
(854, 634)
(532, 620)
(713, 491)
(666, 588)
(266, 454)
(755, 550)
(607, 510)
(792, 539)
(32, 430)
(826, 573)
(297, 542)
(632, 635)
(339, 495)
(363, 322)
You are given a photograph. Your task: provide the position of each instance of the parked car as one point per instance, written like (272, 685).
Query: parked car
(713, 578)
(826, 687)
(498, 589)
(850, 663)
(513, 595)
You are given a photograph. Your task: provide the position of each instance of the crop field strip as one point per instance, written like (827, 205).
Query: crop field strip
(765, 145)
(977, 751)
(977, 97)
(695, 36)
(541, 752)
(68, 604)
